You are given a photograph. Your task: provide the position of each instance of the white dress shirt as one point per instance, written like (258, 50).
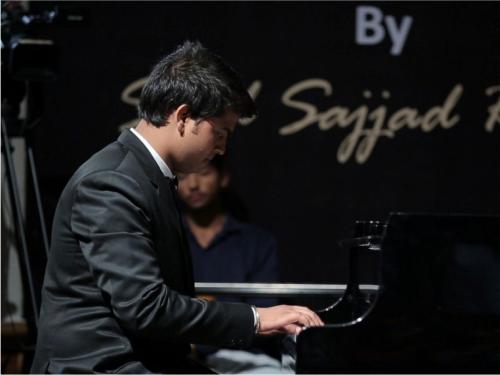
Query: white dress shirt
(161, 163)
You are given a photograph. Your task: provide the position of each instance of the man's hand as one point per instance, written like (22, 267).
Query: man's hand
(286, 319)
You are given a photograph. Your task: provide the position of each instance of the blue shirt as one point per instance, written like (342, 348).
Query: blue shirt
(239, 253)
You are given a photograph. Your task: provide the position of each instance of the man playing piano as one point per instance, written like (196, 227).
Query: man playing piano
(118, 289)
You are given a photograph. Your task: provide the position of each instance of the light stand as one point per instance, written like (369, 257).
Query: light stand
(18, 218)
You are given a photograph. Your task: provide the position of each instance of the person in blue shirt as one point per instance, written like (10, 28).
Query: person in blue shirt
(225, 249)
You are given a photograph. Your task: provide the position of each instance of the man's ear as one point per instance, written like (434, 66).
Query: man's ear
(179, 117)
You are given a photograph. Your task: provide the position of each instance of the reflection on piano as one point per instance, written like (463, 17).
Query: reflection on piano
(437, 308)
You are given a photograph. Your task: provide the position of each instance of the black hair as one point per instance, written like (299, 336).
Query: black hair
(194, 76)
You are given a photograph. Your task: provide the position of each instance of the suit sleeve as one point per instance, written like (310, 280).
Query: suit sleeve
(113, 225)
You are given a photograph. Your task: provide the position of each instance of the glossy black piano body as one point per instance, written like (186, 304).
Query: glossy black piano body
(437, 309)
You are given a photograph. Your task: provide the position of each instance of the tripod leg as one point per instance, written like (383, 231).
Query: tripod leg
(38, 199)
(16, 205)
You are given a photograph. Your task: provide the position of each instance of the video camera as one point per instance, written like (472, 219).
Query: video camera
(28, 53)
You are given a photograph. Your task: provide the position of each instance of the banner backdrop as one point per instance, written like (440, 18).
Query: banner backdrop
(365, 108)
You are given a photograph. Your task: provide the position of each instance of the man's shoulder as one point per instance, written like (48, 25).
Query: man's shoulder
(114, 158)
(114, 162)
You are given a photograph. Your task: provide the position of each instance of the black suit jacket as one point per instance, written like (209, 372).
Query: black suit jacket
(118, 284)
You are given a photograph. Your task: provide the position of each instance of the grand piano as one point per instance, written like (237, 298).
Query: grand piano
(436, 310)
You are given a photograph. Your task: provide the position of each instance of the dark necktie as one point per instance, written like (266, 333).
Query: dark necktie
(173, 183)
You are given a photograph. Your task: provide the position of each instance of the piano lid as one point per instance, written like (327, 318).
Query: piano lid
(437, 308)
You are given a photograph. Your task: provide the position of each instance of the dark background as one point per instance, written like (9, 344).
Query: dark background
(294, 185)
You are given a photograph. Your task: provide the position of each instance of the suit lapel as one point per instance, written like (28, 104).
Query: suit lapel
(186, 253)
(159, 181)
(144, 157)
(166, 201)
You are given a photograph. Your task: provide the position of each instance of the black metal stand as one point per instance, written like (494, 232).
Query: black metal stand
(38, 198)
(18, 218)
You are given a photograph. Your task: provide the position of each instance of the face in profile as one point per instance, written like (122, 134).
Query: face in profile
(203, 140)
(201, 190)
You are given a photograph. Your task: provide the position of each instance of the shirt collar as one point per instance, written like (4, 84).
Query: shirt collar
(161, 163)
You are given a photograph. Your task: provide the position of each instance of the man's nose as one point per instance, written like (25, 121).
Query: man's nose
(220, 148)
(192, 181)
